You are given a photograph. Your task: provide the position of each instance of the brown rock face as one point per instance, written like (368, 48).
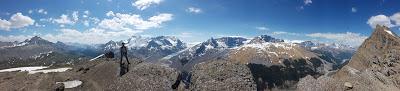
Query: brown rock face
(381, 47)
(374, 67)
(222, 75)
(377, 62)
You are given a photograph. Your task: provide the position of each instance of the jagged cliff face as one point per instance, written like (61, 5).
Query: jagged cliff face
(374, 67)
(383, 47)
(377, 62)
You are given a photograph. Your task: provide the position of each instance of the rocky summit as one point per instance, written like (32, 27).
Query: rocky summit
(374, 67)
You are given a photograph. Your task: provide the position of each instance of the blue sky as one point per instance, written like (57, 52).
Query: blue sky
(98, 21)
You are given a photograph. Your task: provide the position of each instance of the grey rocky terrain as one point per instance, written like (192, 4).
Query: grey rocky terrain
(374, 67)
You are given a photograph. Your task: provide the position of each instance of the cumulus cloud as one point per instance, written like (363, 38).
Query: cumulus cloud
(194, 10)
(110, 13)
(134, 21)
(396, 18)
(75, 16)
(143, 4)
(12, 38)
(353, 9)
(90, 36)
(307, 2)
(379, 20)
(116, 27)
(16, 21)
(284, 33)
(262, 28)
(85, 14)
(350, 38)
(64, 19)
(39, 11)
(42, 11)
(30, 11)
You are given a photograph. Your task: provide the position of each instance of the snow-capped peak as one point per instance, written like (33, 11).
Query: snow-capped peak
(265, 38)
(137, 41)
(36, 40)
(317, 45)
(389, 32)
(165, 42)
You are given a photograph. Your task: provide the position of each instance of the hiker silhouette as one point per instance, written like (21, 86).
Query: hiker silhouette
(124, 53)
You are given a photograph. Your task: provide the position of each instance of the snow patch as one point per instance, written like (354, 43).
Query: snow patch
(390, 32)
(209, 47)
(41, 55)
(35, 69)
(21, 69)
(96, 57)
(263, 46)
(49, 70)
(174, 54)
(71, 84)
(352, 70)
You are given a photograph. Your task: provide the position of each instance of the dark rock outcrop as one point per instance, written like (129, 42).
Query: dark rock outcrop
(146, 76)
(220, 75)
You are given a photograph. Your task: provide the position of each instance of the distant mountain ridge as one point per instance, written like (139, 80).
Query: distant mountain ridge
(147, 48)
(169, 49)
(36, 51)
(337, 54)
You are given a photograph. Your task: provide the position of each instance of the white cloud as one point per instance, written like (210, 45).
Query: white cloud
(379, 20)
(30, 11)
(353, 9)
(91, 36)
(134, 22)
(350, 38)
(16, 21)
(38, 25)
(143, 4)
(194, 10)
(12, 38)
(279, 32)
(85, 14)
(64, 19)
(110, 13)
(39, 11)
(185, 35)
(396, 18)
(5, 25)
(262, 28)
(283, 33)
(42, 11)
(307, 2)
(75, 16)
(86, 23)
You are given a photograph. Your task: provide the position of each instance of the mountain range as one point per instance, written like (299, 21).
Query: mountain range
(255, 57)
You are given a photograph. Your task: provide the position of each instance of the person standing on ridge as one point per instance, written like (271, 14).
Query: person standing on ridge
(124, 53)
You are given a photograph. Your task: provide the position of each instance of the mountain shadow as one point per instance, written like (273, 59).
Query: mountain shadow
(283, 76)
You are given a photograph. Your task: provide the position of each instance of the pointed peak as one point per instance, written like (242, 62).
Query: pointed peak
(36, 38)
(265, 38)
(381, 27)
(383, 30)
